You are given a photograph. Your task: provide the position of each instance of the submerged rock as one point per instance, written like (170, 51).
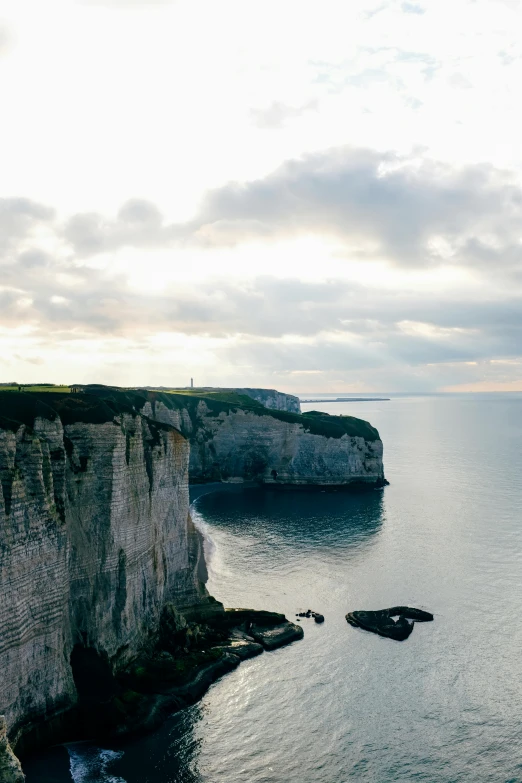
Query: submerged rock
(382, 621)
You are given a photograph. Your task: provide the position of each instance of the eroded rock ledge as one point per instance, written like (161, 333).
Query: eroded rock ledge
(10, 767)
(186, 657)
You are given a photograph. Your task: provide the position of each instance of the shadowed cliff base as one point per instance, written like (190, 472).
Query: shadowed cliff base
(187, 656)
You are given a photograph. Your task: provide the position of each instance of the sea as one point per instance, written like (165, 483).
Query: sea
(343, 704)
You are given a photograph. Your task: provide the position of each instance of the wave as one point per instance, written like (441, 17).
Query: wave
(90, 764)
(209, 545)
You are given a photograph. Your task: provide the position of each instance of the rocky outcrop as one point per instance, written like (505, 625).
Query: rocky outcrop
(187, 660)
(234, 443)
(382, 622)
(269, 398)
(272, 399)
(96, 541)
(10, 767)
(235, 438)
(96, 538)
(245, 445)
(101, 569)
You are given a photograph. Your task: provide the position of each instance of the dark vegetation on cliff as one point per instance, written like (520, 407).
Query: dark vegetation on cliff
(99, 404)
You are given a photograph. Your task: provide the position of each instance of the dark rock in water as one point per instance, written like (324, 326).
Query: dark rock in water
(242, 648)
(276, 636)
(234, 617)
(382, 622)
(318, 618)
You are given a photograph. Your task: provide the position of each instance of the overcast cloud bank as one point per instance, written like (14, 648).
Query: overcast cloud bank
(261, 193)
(410, 214)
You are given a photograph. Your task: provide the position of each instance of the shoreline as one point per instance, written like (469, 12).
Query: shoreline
(223, 639)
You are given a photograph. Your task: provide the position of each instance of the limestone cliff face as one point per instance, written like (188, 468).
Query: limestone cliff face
(230, 443)
(95, 538)
(274, 400)
(269, 398)
(95, 533)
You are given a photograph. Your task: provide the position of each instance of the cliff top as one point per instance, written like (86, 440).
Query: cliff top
(98, 404)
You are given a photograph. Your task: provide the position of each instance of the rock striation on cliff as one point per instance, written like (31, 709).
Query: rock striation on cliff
(237, 442)
(95, 539)
(269, 398)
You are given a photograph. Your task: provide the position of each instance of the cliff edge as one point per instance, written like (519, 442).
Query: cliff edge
(98, 554)
(95, 539)
(235, 438)
(269, 398)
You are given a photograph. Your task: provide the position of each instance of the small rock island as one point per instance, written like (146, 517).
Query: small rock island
(382, 622)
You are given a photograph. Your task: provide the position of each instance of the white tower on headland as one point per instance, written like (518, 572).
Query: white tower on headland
(192, 383)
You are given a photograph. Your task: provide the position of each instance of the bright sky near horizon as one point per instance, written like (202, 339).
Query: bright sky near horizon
(312, 196)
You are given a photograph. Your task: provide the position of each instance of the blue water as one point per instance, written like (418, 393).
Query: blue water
(342, 705)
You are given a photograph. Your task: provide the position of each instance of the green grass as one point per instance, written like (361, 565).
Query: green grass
(318, 423)
(37, 388)
(99, 404)
(220, 396)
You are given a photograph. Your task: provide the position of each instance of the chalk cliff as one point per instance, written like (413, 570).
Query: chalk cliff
(248, 442)
(269, 398)
(274, 400)
(95, 539)
(95, 532)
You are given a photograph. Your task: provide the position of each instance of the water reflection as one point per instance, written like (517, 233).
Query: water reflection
(169, 755)
(321, 521)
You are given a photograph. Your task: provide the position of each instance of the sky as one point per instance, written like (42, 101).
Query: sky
(309, 196)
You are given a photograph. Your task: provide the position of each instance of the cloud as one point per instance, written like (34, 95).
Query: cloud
(412, 8)
(376, 205)
(345, 321)
(269, 326)
(5, 39)
(18, 219)
(126, 4)
(412, 213)
(138, 224)
(277, 114)
(407, 211)
(33, 258)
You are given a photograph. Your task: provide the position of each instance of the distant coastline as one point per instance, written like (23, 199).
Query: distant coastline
(352, 399)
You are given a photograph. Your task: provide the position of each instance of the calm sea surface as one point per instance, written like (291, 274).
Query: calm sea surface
(343, 705)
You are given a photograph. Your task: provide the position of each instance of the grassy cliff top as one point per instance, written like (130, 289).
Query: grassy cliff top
(24, 407)
(98, 404)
